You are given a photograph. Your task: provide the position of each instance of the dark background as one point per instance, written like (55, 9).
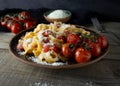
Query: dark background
(82, 10)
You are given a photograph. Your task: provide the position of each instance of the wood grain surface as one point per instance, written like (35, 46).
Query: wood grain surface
(106, 72)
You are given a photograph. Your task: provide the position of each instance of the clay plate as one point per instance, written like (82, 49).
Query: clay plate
(14, 52)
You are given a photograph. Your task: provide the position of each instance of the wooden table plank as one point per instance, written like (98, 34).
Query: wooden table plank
(13, 72)
(5, 39)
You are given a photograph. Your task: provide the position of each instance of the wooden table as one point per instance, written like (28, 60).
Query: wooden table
(106, 72)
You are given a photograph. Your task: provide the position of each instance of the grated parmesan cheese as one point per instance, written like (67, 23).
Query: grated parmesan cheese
(45, 63)
(58, 14)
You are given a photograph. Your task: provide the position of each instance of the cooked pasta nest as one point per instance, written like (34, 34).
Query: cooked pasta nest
(47, 34)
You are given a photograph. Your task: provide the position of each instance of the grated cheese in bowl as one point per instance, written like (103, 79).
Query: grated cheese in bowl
(59, 14)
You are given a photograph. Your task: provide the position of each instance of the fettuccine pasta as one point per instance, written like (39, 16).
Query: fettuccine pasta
(45, 43)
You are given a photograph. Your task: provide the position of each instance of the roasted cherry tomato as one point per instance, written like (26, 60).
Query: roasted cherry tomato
(45, 34)
(30, 23)
(20, 46)
(68, 50)
(88, 41)
(46, 40)
(63, 38)
(82, 55)
(74, 39)
(16, 27)
(103, 41)
(56, 48)
(46, 48)
(95, 49)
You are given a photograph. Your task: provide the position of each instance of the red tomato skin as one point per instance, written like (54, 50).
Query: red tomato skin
(3, 22)
(20, 46)
(95, 49)
(74, 39)
(46, 40)
(16, 18)
(66, 50)
(56, 48)
(16, 27)
(9, 24)
(63, 38)
(88, 41)
(103, 41)
(30, 23)
(45, 34)
(46, 48)
(82, 55)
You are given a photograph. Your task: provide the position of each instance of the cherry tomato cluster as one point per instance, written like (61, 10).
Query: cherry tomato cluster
(17, 22)
(83, 48)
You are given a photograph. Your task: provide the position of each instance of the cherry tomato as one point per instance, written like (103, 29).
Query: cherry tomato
(95, 49)
(103, 41)
(74, 39)
(82, 55)
(46, 40)
(9, 24)
(45, 34)
(30, 23)
(56, 48)
(34, 21)
(24, 15)
(3, 22)
(63, 38)
(68, 50)
(87, 40)
(20, 46)
(46, 48)
(16, 27)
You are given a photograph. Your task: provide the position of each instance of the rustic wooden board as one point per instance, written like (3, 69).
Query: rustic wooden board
(5, 39)
(14, 72)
